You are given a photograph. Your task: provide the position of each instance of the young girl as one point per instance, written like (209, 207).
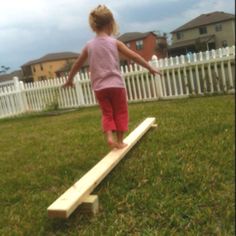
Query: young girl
(109, 88)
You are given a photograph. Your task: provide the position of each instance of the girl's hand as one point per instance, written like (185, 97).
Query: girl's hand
(68, 83)
(155, 71)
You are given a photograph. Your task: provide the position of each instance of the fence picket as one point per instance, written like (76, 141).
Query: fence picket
(199, 90)
(223, 76)
(174, 82)
(168, 82)
(128, 87)
(143, 87)
(231, 85)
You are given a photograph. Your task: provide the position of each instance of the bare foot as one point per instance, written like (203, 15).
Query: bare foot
(122, 145)
(110, 141)
(112, 144)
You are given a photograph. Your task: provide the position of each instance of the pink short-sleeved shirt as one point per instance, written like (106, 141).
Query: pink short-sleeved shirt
(104, 63)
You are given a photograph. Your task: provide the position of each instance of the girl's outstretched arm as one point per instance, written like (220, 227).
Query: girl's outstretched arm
(76, 66)
(125, 51)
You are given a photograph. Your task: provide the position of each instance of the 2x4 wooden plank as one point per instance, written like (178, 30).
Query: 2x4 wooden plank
(78, 192)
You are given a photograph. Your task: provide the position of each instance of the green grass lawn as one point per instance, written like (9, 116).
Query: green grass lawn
(178, 180)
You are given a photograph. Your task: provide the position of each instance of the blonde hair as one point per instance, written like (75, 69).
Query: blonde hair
(100, 18)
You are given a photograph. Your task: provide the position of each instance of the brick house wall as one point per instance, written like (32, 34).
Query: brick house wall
(146, 45)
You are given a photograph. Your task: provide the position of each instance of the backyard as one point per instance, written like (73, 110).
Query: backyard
(178, 180)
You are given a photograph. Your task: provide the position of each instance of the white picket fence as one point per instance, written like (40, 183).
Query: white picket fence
(203, 73)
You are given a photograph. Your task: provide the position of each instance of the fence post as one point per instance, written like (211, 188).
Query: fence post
(19, 94)
(79, 90)
(186, 85)
(157, 77)
(23, 95)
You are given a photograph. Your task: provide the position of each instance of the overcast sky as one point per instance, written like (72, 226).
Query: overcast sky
(29, 29)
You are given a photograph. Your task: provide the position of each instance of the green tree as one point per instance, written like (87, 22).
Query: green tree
(4, 69)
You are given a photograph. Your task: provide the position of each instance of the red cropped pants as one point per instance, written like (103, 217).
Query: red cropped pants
(114, 107)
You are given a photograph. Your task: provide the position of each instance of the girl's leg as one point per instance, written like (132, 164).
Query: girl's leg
(120, 136)
(108, 124)
(120, 111)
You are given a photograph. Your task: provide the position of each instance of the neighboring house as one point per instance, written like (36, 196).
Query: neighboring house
(48, 66)
(145, 44)
(8, 77)
(206, 32)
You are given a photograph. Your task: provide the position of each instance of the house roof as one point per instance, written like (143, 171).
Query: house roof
(192, 41)
(206, 19)
(7, 77)
(53, 57)
(130, 36)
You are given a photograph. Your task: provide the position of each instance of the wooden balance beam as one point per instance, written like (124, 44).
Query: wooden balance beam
(77, 193)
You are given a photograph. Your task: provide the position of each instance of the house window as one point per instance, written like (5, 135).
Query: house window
(211, 46)
(34, 70)
(179, 35)
(218, 27)
(128, 45)
(139, 44)
(159, 41)
(224, 43)
(40, 78)
(161, 44)
(203, 30)
(41, 66)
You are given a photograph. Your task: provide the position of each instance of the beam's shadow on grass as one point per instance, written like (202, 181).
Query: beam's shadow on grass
(77, 220)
